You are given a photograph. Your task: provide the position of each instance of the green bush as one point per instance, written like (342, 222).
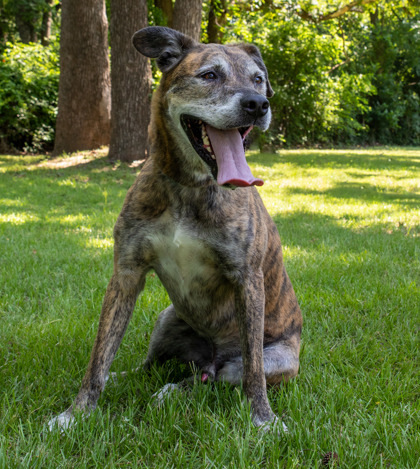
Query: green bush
(29, 76)
(394, 49)
(355, 80)
(316, 101)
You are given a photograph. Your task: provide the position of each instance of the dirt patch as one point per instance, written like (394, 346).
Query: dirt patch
(77, 159)
(82, 158)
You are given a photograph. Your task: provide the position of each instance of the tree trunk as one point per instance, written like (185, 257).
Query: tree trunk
(83, 120)
(131, 79)
(46, 24)
(187, 17)
(25, 23)
(217, 19)
(167, 10)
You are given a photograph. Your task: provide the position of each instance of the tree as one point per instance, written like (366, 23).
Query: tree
(83, 120)
(131, 80)
(131, 72)
(46, 23)
(217, 20)
(185, 16)
(27, 20)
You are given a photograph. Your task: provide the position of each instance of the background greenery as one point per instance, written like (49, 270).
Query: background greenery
(354, 79)
(350, 227)
(350, 80)
(29, 76)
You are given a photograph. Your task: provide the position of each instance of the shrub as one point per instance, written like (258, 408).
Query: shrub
(29, 76)
(315, 101)
(355, 80)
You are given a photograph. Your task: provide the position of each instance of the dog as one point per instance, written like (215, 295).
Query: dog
(194, 216)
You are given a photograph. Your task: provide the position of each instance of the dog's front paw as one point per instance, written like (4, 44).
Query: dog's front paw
(62, 422)
(275, 425)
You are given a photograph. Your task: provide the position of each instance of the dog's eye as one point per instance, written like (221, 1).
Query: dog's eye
(258, 80)
(209, 76)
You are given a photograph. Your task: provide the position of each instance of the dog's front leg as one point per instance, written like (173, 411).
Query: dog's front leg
(117, 309)
(249, 304)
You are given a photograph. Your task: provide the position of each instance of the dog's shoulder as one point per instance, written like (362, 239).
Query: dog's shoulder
(147, 198)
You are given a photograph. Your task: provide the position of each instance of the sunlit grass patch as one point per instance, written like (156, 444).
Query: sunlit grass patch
(17, 218)
(350, 225)
(100, 243)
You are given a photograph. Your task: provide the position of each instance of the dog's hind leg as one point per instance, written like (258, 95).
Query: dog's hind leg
(281, 363)
(117, 309)
(174, 338)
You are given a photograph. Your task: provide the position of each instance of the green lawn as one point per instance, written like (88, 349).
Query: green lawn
(350, 227)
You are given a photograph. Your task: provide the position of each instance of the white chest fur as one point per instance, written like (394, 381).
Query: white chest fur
(184, 260)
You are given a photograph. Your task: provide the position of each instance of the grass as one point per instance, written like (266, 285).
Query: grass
(350, 226)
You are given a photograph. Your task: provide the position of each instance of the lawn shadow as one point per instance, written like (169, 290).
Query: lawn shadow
(326, 239)
(362, 159)
(361, 191)
(82, 188)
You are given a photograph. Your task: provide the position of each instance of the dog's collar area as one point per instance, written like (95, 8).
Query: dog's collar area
(223, 151)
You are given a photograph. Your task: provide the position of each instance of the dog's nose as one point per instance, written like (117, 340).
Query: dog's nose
(255, 105)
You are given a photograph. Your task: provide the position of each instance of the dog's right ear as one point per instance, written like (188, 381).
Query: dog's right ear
(165, 44)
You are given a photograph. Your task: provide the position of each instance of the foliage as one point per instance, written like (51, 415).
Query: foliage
(311, 105)
(29, 76)
(344, 73)
(392, 50)
(350, 233)
(26, 16)
(354, 79)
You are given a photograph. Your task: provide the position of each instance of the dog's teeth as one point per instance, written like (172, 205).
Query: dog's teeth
(200, 122)
(206, 140)
(213, 156)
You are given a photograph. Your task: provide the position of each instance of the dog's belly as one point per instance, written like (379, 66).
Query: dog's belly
(188, 268)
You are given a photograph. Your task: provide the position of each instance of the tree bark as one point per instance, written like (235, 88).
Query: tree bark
(217, 19)
(187, 17)
(131, 83)
(167, 10)
(46, 24)
(83, 120)
(25, 23)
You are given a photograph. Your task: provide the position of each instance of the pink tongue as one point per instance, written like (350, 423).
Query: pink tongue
(230, 157)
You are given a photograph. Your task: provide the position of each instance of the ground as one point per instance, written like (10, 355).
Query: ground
(350, 225)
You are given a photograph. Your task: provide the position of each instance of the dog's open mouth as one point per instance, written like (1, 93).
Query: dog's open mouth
(222, 150)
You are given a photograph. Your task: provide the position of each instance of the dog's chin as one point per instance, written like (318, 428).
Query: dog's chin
(195, 129)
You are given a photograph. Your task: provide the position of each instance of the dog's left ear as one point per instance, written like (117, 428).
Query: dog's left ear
(165, 44)
(255, 53)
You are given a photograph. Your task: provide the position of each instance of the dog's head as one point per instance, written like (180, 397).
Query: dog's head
(214, 95)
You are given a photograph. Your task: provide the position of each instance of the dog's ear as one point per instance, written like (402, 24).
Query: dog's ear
(165, 44)
(255, 53)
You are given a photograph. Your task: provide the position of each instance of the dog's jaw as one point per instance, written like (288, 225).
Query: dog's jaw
(205, 155)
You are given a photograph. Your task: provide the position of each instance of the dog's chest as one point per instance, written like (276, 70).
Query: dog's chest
(186, 262)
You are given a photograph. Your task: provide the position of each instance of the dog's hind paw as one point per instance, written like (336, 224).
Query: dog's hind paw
(62, 422)
(160, 396)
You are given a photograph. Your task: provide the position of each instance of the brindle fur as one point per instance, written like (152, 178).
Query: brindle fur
(217, 251)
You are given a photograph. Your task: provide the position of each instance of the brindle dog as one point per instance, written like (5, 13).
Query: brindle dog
(194, 217)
